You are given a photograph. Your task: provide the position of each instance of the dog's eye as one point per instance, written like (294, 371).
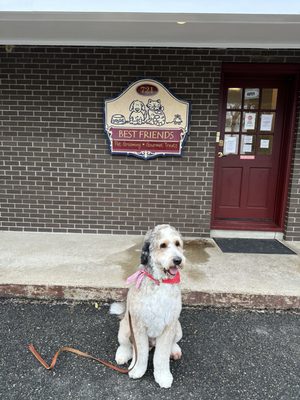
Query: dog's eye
(177, 243)
(163, 246)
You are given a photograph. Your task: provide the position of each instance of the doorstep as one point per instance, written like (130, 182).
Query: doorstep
(228, 233)
(95, 267)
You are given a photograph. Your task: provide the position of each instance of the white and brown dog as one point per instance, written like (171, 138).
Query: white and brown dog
(154, 304)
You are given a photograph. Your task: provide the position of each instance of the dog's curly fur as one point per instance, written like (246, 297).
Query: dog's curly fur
(154, 309)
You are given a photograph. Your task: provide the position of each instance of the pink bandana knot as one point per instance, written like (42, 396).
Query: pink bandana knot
(139, 275)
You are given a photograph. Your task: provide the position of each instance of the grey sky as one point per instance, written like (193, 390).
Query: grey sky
(166, 6)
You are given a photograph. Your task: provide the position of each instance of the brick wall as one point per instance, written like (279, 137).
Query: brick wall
(292, 231)
(56, 170)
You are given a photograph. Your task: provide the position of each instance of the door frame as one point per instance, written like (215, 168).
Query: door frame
(258, 70)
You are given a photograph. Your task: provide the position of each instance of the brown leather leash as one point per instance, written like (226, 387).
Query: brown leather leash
(86, 355)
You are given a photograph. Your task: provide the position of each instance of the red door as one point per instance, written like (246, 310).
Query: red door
(248, 167)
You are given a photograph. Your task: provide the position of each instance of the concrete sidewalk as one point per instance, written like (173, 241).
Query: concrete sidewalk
(75, 266)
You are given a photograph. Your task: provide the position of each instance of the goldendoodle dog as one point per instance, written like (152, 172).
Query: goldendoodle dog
(154, 305)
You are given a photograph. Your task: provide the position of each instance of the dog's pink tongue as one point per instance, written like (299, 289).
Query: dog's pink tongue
(173, 270)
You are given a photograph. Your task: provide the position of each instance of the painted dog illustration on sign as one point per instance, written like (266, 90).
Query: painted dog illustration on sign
(138, 112)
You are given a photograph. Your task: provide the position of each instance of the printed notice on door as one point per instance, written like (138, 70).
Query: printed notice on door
(264, 143)
(250, 119)
(231, 144)
(266, 122)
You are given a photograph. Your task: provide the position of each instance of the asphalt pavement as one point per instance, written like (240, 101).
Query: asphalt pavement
(227, 354)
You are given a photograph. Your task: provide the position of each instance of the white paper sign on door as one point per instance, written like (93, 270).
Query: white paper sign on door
(230, 144)
(249, 123)
(248, 139)
(247, 148)
(264, 143)
(266, 122)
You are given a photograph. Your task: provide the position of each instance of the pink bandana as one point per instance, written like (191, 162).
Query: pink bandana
(139, 275)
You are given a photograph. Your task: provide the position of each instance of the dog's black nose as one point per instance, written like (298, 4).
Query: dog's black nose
(177, 260)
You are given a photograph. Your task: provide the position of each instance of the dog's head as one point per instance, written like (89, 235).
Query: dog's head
(137, 106)
(162, 252)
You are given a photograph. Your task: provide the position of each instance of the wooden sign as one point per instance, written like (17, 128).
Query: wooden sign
(146, 121)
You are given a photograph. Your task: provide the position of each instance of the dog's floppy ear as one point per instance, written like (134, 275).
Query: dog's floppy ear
(145, 253)
(131, 106)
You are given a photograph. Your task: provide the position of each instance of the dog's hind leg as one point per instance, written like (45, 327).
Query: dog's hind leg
(124, 351)
(176, 353)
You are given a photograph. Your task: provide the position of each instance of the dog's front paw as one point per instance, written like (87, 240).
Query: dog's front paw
(123, 355)
(164, 379)
(137, 372)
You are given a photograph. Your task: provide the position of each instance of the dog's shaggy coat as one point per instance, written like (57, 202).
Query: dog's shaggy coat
(154, 308)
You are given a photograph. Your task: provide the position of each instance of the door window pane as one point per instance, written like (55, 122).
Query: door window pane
(269, 99)
(247, 144)
(249, 121)
(251, 98)
(233, 121)
(264, 144)
(234, 98)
